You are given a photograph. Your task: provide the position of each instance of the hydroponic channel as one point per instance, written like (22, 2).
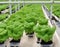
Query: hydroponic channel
(57, 23)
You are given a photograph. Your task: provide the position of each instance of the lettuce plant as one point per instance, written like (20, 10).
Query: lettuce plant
(29, 27)
(44, 32)
(15, 30)
(42, 21)
(3, 17)
(30, 18)
(3, 33)
(3, 6)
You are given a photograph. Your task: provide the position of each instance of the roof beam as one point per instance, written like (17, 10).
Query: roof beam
(16, 2)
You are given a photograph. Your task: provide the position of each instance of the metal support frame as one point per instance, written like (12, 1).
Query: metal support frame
(10, 2)
(16, 2)
(51, 9)
(15, 7)
(18, 5)
(39, 2)
(10, 7)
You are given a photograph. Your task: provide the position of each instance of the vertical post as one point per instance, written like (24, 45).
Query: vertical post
(18, 5)
(51, 12)
(15, 7)
(10, 7)
(51, 9)
(23, 3)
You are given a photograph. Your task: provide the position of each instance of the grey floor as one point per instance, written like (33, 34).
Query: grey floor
(28, 42)
(58, 28)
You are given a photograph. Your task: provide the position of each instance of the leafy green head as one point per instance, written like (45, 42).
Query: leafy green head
(15, 30)
(44, 32)
(42, 21)
(3, 35)
(29, 27)
(31, 18)
(3, 16)
(3, 32)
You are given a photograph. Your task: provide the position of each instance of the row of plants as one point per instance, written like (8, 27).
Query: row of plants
(3, 17)
(56, 9)
(3, 33)
(3, 7)
(27, 19)
(15, 7)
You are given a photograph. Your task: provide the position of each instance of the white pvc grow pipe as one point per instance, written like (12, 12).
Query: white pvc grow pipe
(56, 38)
(56, 17)
(45, 13)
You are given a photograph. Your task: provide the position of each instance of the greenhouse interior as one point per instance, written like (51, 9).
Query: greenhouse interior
(29, 23)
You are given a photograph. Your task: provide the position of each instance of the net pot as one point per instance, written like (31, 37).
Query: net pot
(14, 43)
(46, 44)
